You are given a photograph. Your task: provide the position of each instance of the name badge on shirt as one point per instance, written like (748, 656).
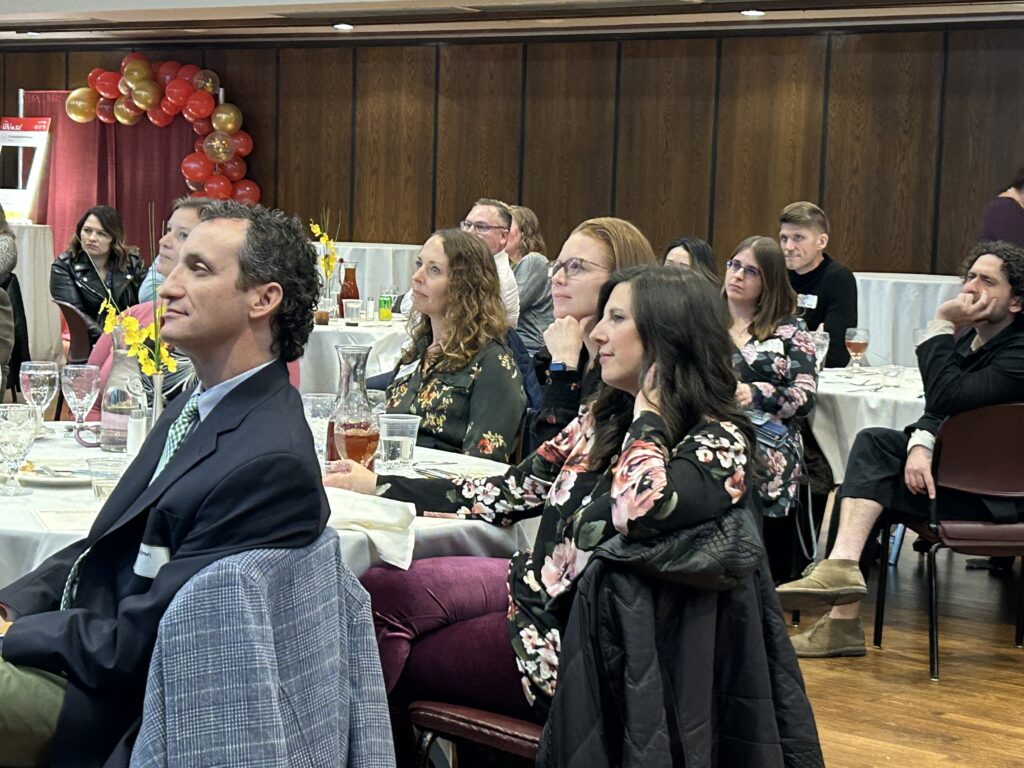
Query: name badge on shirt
(407, 370)
(807, 300)
(151, 560)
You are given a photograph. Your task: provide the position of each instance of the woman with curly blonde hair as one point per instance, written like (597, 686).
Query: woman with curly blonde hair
(457, 374)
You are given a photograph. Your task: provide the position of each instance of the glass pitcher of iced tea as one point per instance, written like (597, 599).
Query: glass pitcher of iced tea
(352, 432)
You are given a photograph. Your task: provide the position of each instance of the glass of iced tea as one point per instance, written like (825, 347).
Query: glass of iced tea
(357, 441)
(857, 345)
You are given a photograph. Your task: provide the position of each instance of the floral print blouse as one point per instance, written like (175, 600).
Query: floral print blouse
(784, 382)
(651, 488)
(476, 410)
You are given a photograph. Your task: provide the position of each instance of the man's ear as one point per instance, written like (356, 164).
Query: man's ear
(1016, 304)
(822, 241)
(267, 298)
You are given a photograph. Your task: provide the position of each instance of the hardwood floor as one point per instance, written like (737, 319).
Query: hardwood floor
(882, 710)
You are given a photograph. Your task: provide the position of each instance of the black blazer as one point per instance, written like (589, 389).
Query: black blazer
(74, 279)
(246, 478)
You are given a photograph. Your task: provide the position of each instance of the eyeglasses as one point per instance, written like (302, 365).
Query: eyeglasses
(735, 265)
(573, 267)
(479, 227)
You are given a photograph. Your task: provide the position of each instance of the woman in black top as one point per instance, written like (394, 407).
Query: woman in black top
(97, 267)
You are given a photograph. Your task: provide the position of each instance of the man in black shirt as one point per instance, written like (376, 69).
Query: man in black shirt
(826, 290)
(888, 469)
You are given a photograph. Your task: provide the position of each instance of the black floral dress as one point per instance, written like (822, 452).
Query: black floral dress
(475, 410)
(650, 489)
(784, 383)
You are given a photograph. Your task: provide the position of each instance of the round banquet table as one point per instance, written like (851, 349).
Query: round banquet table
(380, 265)
(318, 367)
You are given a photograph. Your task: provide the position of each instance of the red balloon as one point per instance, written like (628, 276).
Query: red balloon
(218, 187)
(178, 91)
(246, 192)
(234, 168)
(188, 115)
(200, 104)
(202, 126)
(106, 84)
(163, 77)
(93, 74)
(159, 118)
(243, 143)
(131, 57)
(199, 143)
(105, 111)
(197, 167)
(186, 72)
(132, 107)
(169, 106)
(155, 66)
(197, 193)
(194, 186)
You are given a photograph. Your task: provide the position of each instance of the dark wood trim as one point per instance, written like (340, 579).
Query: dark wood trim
(939, 142)
(714, 143)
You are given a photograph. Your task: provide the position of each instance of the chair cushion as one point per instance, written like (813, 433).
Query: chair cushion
(506, 734)
(977, 538)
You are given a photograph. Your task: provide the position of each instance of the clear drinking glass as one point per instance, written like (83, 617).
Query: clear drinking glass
(80, 385)
(820, 339)
(17, 432)
(39, 386)
(857, 345)
(318, 408)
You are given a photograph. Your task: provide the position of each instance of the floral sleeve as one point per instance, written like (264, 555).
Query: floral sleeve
(496, 407)
(656, 489)
(795, 397)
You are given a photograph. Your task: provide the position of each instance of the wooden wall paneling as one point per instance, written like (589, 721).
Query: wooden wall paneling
(666, 116)
(569, 142)
(478, 125)
(315, 126)
(771, 102)
(31, 71)
(394, 155)
(882, 144)
(249, 78)
(983, 135)
(80, 63)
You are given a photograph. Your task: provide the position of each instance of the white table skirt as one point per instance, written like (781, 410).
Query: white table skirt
(35, 255)
(318, 367)
(893, 305)
(380, 265)
(25, 541)
(849, 402)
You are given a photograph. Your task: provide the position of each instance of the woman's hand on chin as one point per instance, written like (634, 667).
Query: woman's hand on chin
(564, 340)
(350, 476)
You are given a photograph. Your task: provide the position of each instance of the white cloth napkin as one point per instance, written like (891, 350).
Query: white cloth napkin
(386, 523)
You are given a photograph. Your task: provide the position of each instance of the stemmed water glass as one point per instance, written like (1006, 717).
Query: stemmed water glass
(17, 432)
(857, 345)
(318, 408)
(80, 385)
(39, 385)
(820, 339)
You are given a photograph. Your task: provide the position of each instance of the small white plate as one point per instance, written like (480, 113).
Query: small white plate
(67, 474)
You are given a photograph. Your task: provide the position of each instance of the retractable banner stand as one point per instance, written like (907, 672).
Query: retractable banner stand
(24, 133)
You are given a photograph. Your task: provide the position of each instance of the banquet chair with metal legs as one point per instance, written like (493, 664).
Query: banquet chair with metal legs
(989, 468)
(467, 726)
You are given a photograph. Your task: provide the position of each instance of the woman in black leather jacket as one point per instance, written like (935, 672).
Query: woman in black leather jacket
(97, 266)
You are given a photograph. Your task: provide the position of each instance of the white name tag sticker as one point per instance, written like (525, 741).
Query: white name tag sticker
(407, 370)
(151, 560)
(807, 300)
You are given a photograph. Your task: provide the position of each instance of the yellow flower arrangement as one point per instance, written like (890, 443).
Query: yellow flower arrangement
(136, 336)
(329, 260)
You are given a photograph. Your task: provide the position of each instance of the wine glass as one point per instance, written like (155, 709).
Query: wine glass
(820, 339)
(318, 408)
(39, 386)
(857, 345)
(17, 431)
(80, 385)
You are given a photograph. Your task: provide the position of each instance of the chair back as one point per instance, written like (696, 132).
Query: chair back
(78, 327)
(20, 353)
(982, 451)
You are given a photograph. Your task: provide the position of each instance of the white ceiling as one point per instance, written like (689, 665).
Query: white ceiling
(93, 22)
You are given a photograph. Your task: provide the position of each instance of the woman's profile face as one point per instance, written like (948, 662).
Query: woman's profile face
(95, 240)
(430, 280)
(583, 266)
(678, 257)
(618, 342)
(515, 239)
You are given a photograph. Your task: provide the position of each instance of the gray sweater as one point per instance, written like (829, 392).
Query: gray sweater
(535, 308)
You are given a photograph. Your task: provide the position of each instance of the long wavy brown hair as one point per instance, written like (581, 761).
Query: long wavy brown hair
(529, 228)
(777, 299)
(110, 220)
(475, 314)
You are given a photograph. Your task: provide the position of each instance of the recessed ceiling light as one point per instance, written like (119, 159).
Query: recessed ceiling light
(343, 27)
(752, 12)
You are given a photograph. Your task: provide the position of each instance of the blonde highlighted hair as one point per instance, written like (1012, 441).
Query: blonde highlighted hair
(627, 244)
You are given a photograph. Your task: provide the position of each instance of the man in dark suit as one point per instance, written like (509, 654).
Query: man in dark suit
(227, 469)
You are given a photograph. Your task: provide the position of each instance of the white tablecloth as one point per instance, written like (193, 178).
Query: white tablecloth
(379, 265)
(893, 305)
(25, 541)
(35, 255)
(318, 367)
(848, 402)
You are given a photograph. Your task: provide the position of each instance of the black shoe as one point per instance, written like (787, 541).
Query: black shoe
(922, 545)
(997, 567)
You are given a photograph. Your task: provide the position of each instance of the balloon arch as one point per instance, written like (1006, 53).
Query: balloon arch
(160, 90)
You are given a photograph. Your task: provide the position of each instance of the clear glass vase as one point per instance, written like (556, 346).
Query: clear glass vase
(121, 396)
(352, 432)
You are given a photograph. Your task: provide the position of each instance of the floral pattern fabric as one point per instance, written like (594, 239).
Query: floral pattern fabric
(784, 383)
(650, 489)
(476, 410)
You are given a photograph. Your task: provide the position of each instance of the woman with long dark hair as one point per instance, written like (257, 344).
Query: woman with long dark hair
(663, 451)
(692, 253)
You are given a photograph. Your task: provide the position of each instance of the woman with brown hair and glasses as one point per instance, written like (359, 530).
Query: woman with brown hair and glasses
(457, 374)
(97, 267)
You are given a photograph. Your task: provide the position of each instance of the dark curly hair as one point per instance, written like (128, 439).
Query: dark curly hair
(276, 250)
(1013, 262)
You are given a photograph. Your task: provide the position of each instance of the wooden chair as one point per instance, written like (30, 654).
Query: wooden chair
(81, 344)
(988, 467)
(500, 733)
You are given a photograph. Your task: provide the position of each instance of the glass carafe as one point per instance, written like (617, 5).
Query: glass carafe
(352, 432)
(349, 288)
(121, 396)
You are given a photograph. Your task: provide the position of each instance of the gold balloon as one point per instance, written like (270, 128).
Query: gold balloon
(137, 71)
(227, 118)
(219, 147)
(81, 105)
(206, 80)
(124, 114)
(124, 87)
(147, 94)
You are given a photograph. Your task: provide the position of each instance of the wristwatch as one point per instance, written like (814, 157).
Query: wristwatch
(556, 367)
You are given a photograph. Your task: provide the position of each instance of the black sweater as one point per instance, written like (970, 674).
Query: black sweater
(828, 294)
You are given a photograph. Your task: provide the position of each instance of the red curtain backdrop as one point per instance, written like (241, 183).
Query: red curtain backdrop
(123, 166)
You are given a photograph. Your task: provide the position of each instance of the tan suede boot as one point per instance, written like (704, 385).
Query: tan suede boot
(825, 583)
(830, 637)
